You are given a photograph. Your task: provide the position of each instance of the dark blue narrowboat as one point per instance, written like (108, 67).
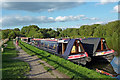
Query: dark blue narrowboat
(70, 49)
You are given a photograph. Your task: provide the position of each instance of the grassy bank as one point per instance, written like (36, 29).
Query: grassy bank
(12, 68)
(64, 66)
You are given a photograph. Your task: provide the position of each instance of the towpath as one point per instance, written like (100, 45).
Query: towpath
(38, 66)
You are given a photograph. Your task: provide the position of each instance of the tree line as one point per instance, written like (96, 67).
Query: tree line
(109, 31)
(31, 31)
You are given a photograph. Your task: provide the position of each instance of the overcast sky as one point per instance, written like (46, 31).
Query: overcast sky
(57, 14)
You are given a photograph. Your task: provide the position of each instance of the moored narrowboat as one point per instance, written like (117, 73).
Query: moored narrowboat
(70, 49)
(25, 39)
(97, 49)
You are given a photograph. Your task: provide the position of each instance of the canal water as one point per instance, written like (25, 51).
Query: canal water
(113, 67)
(116, 65)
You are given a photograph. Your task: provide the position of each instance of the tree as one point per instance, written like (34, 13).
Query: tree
(52, 34)
(12, 35)
(38, 35)
(59, 29)
(115, 39)
(27, 30)
(5, 33)
(16, 29)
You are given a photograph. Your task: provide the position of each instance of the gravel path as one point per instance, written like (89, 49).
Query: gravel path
(37, 69)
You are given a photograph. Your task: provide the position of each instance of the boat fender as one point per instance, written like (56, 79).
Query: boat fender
(88, 59)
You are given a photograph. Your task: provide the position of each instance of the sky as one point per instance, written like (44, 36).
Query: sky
(54, 15)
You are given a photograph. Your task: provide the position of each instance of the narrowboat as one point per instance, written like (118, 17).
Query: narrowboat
(70, 49)
(97, 49)
(25, 39)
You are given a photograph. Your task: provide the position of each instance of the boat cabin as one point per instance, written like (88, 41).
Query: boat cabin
(66, 48)
(97, 47)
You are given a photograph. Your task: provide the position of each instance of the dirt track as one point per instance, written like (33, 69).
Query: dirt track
(37, 69)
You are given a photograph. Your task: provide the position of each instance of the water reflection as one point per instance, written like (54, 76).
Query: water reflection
(112, 68)
(116, 65)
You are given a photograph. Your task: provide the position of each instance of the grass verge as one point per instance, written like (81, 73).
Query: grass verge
(12, 68)
(47, 68)
(72, 70)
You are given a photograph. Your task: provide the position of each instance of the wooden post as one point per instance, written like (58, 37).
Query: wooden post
(101, 44)
(62, 48)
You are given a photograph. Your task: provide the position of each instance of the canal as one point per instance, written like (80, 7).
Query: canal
(113, 67)
(116, 65)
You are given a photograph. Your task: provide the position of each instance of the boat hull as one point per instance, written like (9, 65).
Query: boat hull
(105, 58)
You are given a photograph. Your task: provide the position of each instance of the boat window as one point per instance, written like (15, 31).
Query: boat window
(77, 47)
(64, 45)
(60, 48)
(99, 46)
(46, 44)
(80, 48)
(104, 45)
(73, 49)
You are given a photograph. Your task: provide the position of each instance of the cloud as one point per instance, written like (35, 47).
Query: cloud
(51, 10)
(99, 22)
(103, 2)
(86, 18)
(68, 18)
(42, 0)
(73, 18)
(107, 1)
(116, 8)
(103, 22)
(27, 20)
(39, 6)
(93, 18)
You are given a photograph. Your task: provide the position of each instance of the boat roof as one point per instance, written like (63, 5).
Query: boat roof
(24, 37)
(63, 41)
(90, 44)
(37, 39)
